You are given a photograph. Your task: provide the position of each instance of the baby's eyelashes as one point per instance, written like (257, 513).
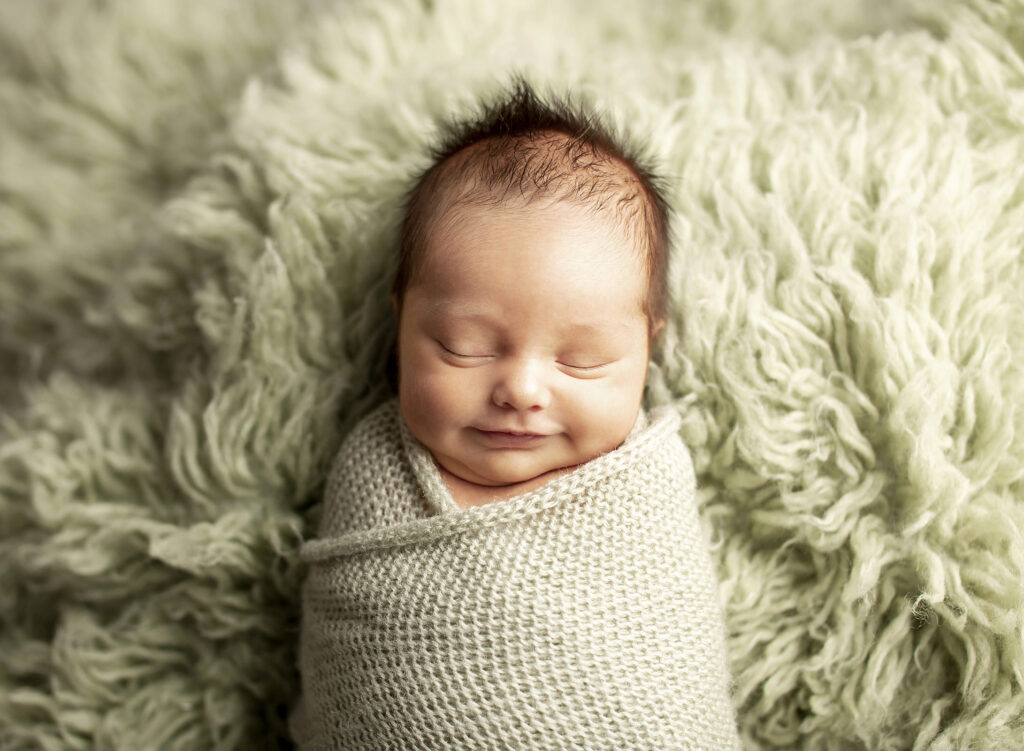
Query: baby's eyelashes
(580, 369)
(461, 355)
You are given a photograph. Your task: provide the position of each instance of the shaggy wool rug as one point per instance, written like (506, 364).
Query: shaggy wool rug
(198, 209)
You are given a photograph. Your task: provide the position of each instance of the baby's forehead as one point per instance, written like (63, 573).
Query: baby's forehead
(566, 255)
(571, 243)
(545, 217)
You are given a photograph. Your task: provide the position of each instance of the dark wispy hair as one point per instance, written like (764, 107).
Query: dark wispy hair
(521, 147)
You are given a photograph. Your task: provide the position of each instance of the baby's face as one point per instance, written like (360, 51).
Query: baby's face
(523, 343)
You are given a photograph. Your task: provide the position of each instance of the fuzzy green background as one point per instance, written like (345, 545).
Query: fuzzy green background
(197, 223)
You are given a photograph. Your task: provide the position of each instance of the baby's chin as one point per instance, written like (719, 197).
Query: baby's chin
(501, 475)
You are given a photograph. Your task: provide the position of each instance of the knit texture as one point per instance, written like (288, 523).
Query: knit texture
(582, 614)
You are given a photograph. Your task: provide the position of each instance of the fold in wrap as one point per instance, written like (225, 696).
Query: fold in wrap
(580, 615)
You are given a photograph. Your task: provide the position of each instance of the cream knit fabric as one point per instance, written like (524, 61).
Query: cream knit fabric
(580, 615)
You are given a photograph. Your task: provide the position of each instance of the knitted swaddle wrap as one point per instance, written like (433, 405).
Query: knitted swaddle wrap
(580, 615)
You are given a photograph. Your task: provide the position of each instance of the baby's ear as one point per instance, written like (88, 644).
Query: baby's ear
(657, 327)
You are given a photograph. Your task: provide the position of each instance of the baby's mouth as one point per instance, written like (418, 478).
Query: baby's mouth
(509, 439)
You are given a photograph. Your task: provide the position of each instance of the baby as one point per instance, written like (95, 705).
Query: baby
(579, 611)
(530, 288)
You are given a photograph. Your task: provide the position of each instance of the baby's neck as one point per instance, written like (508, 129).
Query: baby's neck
(467, 494)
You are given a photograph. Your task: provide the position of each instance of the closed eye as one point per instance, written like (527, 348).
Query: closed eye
(460, 355)
(580, 368)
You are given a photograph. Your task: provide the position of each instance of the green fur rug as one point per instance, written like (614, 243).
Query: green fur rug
(197, 221)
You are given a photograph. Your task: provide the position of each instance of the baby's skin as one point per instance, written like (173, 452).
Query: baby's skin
(523, 345)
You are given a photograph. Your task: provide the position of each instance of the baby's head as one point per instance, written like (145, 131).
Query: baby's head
(531, 286)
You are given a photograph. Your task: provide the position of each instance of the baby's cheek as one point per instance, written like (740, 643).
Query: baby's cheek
(434, 397)
(447, 387)
(609, 415)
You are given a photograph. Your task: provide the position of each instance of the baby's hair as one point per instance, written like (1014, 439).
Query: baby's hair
(520, 149)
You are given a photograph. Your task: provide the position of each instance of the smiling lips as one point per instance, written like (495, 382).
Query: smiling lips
(510, 439)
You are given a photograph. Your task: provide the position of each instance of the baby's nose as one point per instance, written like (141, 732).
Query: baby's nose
(522, 385)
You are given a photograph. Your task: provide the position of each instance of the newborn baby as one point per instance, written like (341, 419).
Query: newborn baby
(510, 554)
(530, 289)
